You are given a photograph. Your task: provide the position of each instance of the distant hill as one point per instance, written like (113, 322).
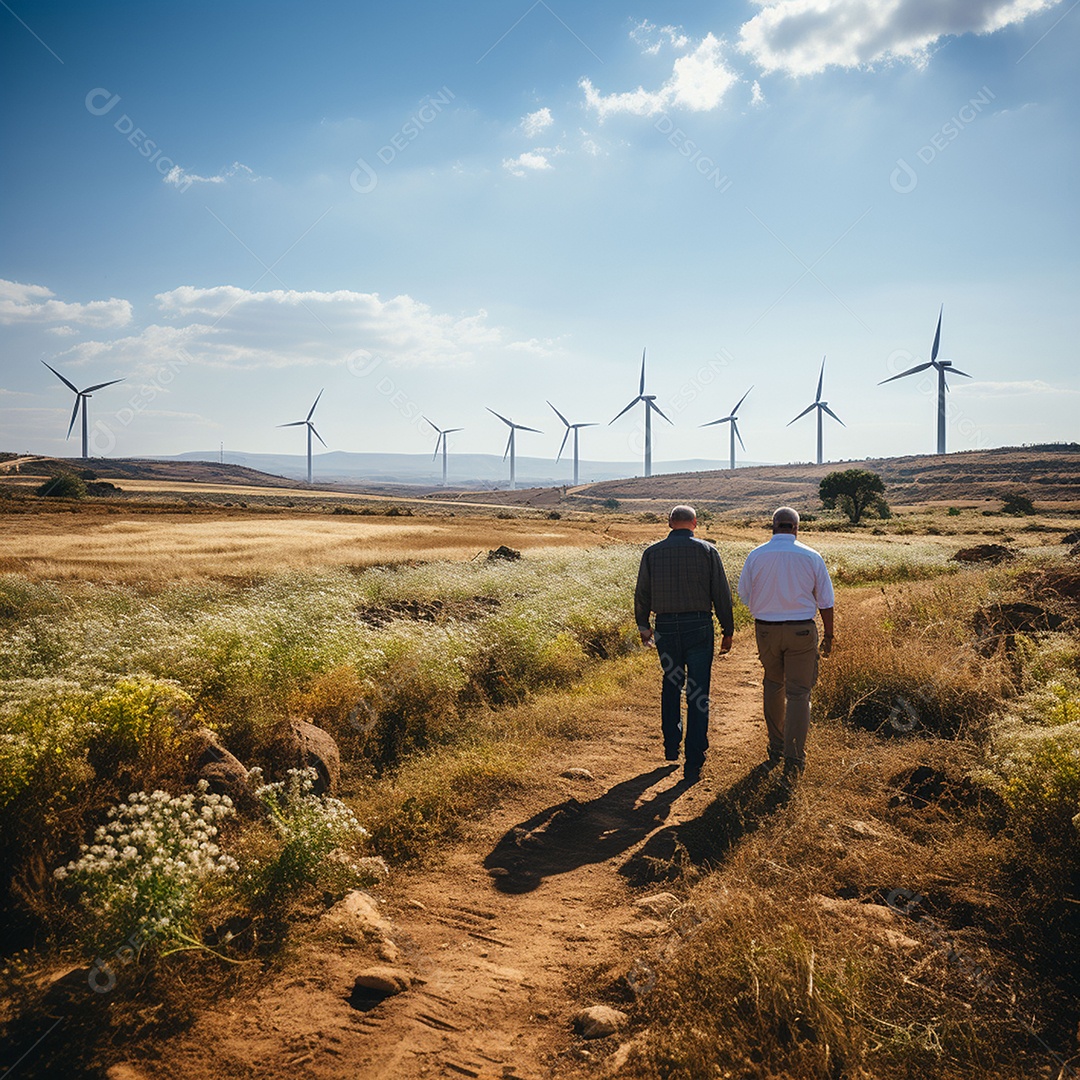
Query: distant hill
(1045, 474)
(464, 470)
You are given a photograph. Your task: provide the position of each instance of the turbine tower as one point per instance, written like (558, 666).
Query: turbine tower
(441, 442)
(943, 367)
(514, 429)
(575, 428)
(80, 400)
(822, 407)
(733, 421)
(310, 431)
(649, 401)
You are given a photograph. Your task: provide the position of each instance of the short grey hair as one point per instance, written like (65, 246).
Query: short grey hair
(785, 518)
(682, 512)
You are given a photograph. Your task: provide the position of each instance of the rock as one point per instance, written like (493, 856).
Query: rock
(598, 1021)
(1071, 538)
(301, 745)
(357, 915)
(124, 1071)
(660, 904)
(383, 979)
(861, 829)
(503, 552)
(577, 773)
(389, 951)
(991, 553)
(224, 772)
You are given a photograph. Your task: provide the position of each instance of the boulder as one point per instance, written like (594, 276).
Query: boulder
(598, 1021)
(357, 916)
(301, 745)
(503, 552)
(659, 904)
(383, 979)
(224, 772)
(577, 773)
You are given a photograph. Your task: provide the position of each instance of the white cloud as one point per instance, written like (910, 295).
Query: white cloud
(230, 327)
(651, 39)
(36, 304)
(536, 122)
(756, 96)
(804, 37)
(182, 179)
(61, 331)
(530, 161)
(698, 82)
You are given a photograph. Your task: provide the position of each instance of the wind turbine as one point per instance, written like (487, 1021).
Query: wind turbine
(514, 429)
(650, 406)
(942, 367)
(441, 441)
(822, 407)
(575, 428)
(732, 419)
(310, 431)
(80, 399)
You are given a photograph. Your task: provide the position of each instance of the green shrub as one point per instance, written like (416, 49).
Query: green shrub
(63, 486)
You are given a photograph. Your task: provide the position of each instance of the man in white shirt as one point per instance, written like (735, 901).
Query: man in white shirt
(785, 584)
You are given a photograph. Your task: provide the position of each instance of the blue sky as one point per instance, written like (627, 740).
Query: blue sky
(430, 209)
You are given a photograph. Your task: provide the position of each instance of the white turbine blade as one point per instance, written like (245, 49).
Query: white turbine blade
(69, 385)
(910, 371)
(562, 445)
(522, 427)
(937, 334)
(833, 415)
(653, 405)
(642, 389)
(312, 412)
(626, 410)
(74, 415)
(957, 371)
(741, 400)
(809, 408)
(295, 423)
(316, 434)
(509, 443)
(101, 386)
(711, 422)
(560, 416)
(590, 424)
(735, 428)
(433, 425)
(500, 416)
(438, 443)
(820, 380)
(451, 430)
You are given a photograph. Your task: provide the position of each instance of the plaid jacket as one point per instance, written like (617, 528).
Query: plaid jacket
(682, 573)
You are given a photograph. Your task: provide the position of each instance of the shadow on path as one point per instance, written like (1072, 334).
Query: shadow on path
(708, 838)
(572, 834)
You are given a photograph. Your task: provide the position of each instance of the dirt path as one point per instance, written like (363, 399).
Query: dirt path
(515, 930)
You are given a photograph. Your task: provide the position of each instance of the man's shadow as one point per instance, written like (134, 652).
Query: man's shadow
(572, 834)
(708, 838)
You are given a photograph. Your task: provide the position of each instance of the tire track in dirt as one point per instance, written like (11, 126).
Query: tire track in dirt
(515, 929)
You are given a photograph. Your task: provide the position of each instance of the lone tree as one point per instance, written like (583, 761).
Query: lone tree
(854, 491)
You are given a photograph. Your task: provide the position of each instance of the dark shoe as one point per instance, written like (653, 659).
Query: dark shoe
(691, 775)
(792, 772)
(671, 755)
(775, 757)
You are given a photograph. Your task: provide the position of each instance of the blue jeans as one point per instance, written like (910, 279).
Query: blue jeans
(684, 643)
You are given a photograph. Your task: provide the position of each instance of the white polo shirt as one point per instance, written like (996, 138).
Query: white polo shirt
(785, 580)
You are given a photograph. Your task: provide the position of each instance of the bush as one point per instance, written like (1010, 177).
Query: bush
(856, 492)
(63, 486)
(1018, 505)
(610, 504)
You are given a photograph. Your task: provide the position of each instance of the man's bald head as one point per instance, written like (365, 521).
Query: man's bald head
(785, 520)
(682, 517)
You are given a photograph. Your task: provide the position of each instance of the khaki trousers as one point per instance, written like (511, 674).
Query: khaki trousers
(789, 654)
